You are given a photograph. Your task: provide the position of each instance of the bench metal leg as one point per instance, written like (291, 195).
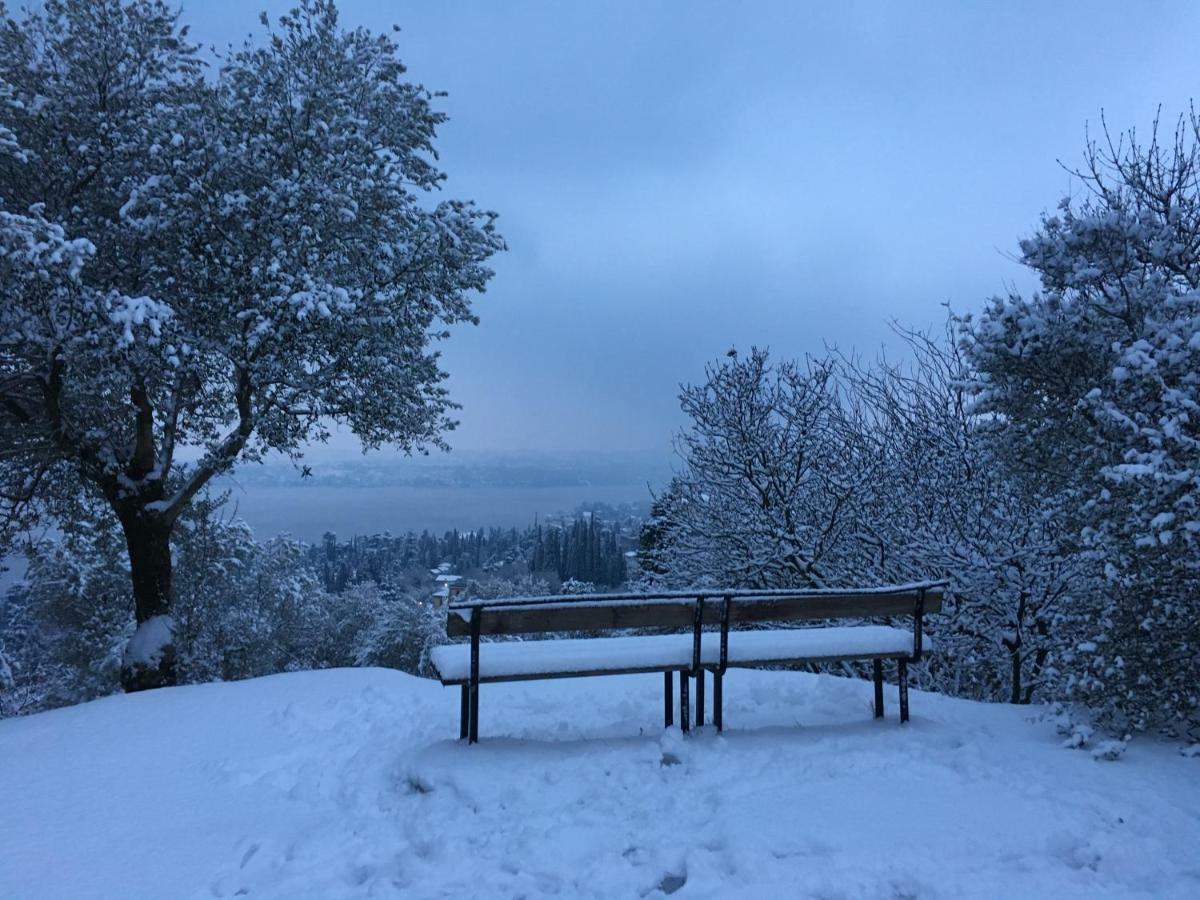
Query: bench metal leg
(464, 712)
(699, 698)
(718, 717)
(684, 724)
(473, 736)
(668, 699)
(878, 664)
(904, 690)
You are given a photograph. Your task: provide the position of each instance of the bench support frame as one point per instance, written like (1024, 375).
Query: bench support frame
(877, 667)
(668, 700)
(722, 665)
(697, 668)
(685, 724)
(473, 685)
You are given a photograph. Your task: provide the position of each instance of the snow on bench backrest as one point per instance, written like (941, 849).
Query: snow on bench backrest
(677, 609)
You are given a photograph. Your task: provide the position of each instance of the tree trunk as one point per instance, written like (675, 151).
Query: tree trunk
(1039, 661)
(150, 657)
(1015, 696)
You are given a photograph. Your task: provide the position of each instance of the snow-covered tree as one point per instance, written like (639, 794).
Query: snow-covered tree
(262, 261)
(243, 608)
(768, 479)
(945, 504)
(843, 472)
(1094, 386)
(40, 267)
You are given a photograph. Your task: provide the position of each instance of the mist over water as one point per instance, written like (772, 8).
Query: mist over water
(461, 491)
(308, 512)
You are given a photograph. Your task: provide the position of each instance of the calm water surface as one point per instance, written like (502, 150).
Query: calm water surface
(308, 512)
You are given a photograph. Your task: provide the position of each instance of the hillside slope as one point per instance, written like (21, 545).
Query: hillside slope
(347, 783)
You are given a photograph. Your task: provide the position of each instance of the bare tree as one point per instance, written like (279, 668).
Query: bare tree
(768, 483)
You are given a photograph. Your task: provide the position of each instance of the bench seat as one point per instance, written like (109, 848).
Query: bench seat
(523, 660)
(527, 660)
(780, 645)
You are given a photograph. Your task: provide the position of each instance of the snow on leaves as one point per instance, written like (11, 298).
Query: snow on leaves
(132, 316)
(1095, 386)
(231, 264)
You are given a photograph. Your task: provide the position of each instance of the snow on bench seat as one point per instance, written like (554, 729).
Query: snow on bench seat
(533, 659)
(780, 645)
(513, 660)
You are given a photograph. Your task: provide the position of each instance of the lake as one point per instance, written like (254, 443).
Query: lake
(308, 512)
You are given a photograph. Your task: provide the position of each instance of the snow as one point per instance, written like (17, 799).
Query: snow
(814, 643)
(509, 658)
(689, 596)
(146, 645)
(127, 312)
(347, 784)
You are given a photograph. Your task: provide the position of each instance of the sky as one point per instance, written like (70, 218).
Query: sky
(676, 179)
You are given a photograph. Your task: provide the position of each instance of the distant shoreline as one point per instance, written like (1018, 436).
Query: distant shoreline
(545, 471)
(308, 511)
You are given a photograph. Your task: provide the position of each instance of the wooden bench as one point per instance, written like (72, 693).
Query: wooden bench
(691, 653)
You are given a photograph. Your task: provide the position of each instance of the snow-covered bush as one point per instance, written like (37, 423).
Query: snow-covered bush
(400, 629)
(246, 608)
(68, 623)
(575, 586)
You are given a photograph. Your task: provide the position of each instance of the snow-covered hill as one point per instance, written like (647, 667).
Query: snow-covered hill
(347, 783)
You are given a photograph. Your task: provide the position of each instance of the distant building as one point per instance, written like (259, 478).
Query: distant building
(447, 584)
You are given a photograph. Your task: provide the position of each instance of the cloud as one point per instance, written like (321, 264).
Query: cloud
(676, 178)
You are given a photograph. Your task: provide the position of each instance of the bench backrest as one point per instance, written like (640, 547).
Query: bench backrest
(608, 612)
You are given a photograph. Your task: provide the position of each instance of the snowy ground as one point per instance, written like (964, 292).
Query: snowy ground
(346, 784)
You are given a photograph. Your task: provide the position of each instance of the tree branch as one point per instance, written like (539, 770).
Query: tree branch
(221, 457)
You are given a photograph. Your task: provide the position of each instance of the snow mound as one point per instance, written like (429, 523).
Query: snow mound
(149, 641)
(346, 783)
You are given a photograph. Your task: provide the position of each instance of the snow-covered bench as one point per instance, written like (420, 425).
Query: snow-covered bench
(692, 653)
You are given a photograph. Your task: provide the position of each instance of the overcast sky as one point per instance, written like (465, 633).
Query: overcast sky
(674, 179)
